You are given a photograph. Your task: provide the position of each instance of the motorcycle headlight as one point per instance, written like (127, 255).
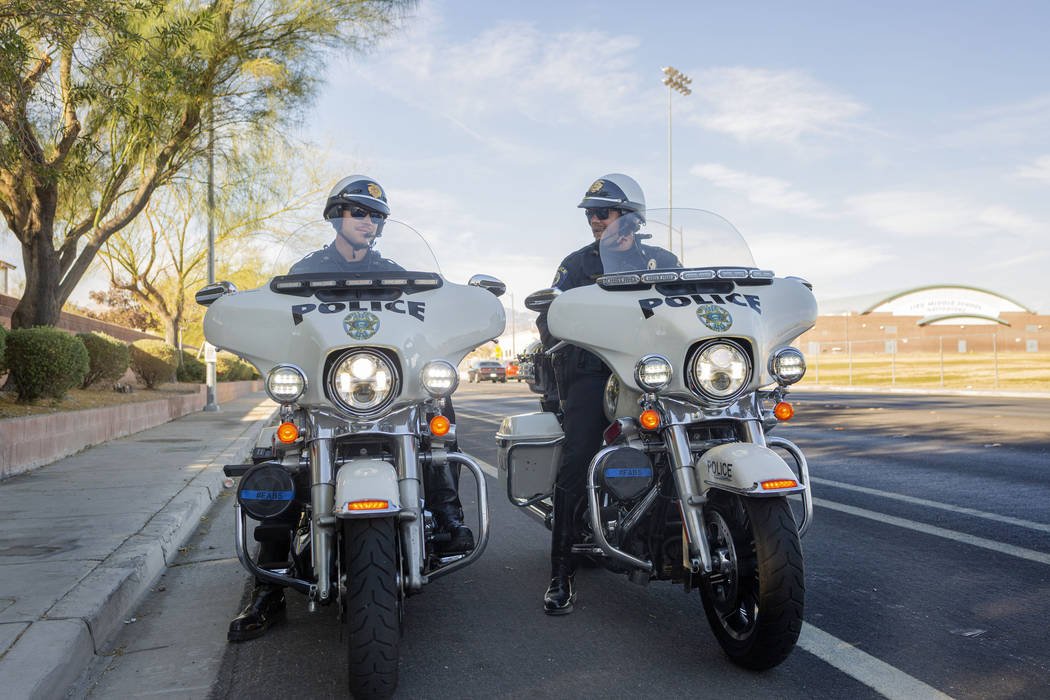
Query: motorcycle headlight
(611, 396)
(787, 365)
(652, 373)
(285, 383)
(720, 370)
(439, 378)
(363, 381)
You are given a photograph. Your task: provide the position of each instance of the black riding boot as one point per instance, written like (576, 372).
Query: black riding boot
(561, 593)
(442, 496)
(265, 608)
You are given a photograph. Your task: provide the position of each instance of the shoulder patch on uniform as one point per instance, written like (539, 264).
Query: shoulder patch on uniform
(559, 276)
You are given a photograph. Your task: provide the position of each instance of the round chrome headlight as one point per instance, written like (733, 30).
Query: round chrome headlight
(611, 396)
(720, 370)
(285, 383)
(439, 378)
(363, 381)
(787, 365)
(652, 373)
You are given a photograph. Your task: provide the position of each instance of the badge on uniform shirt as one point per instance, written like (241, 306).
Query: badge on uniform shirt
(559, 276)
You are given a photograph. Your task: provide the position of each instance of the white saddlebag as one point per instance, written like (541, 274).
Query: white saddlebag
(529, 455)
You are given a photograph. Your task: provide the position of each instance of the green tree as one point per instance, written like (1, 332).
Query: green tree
(102, 102)
(160, 260)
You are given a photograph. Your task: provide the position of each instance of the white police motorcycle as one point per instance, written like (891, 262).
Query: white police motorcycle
(688, 487)
(360, 363)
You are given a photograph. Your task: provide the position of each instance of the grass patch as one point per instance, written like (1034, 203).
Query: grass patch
(1017, 371)
(82, 399)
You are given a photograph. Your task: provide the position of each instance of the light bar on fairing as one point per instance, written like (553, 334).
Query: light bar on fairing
(668, 276)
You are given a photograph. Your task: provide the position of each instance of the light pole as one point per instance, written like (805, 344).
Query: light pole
(209, 353)
(674, 80)
(513, 329)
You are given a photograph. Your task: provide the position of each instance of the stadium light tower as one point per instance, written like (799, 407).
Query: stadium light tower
(675, 80)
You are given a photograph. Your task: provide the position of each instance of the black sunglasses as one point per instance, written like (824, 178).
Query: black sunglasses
(600, 212)
(361, 212)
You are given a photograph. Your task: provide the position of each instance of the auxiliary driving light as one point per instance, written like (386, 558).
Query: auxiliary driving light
(285, 383)
(439, 378)
(652, 373)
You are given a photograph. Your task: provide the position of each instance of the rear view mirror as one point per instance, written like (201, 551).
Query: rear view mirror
(488, 282)
(207, 295)
(539, 301)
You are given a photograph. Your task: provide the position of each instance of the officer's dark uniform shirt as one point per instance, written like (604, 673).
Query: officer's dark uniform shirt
(582, 268)
(329, 259)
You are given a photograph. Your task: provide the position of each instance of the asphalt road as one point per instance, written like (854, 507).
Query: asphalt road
(927, 573)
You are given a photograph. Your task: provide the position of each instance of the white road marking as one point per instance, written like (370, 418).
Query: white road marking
(1001, 547)
(487, 468)
(935, 504)
(478, 416)
(877, 675)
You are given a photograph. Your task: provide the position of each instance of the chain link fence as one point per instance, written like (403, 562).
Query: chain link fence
(971, 361)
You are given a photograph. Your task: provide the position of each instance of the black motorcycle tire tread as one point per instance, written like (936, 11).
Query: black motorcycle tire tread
(781, 588)
(372, 606)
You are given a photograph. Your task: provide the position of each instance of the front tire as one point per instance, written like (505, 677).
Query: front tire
(372, 612)
(755, 597)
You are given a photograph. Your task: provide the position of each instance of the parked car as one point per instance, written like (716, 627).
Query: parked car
(514, 371)
(487, 370)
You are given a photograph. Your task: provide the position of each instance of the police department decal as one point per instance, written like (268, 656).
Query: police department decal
(374, 190)
(714, 317)
(596, 186)
(361, 325)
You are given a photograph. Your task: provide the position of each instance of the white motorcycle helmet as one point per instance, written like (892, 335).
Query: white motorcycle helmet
(617, 191)
(356, 189)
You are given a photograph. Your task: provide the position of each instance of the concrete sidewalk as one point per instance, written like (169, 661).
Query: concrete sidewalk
(83, 538)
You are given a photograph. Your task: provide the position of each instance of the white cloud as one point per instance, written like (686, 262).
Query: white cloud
(767, 105)
(1037, 170)
(1015, 123)
(767, 191)
(933, 214)
(839, 258)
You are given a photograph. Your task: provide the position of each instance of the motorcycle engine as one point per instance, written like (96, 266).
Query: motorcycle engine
(626, 474)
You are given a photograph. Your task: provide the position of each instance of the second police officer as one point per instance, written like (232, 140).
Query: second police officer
(614, 205)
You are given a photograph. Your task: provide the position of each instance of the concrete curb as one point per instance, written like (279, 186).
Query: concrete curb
(52, 654)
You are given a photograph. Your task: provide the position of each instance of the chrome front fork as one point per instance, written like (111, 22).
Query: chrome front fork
(322, 522)
(691, 501)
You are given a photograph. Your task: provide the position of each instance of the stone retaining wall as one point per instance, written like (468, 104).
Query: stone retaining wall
(33, 441)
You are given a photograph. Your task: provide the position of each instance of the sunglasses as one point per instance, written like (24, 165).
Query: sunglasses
(599, 212)
(361, 212)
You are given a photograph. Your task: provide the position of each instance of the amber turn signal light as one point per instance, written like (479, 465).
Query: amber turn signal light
(779, 484)
(368, 505)
(287, 432)
(783, 411)
(439, 425)
(649, 419)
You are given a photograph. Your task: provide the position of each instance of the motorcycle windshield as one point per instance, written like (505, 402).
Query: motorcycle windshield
(669, 238)
(354, 247)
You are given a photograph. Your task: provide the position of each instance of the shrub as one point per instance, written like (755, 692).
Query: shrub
(45, 361)
(192, 369)
(108, 358)
(153, 361)
(230, 368)
(3, 344)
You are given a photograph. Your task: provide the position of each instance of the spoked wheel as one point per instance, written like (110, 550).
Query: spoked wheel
(373, 605)
(756, 592)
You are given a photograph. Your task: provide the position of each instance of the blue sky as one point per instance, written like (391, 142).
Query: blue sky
(863, 146)
(866, 147)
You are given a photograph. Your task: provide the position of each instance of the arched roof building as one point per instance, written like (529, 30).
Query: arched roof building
(924, 318)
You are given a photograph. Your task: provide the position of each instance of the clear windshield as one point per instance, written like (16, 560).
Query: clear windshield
(349, 245)
(662, 238)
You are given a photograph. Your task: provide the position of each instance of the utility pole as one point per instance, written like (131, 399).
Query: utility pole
(675, 80)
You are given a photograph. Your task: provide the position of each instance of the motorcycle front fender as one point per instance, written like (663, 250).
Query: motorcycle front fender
(362, 485)
(747, 469)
